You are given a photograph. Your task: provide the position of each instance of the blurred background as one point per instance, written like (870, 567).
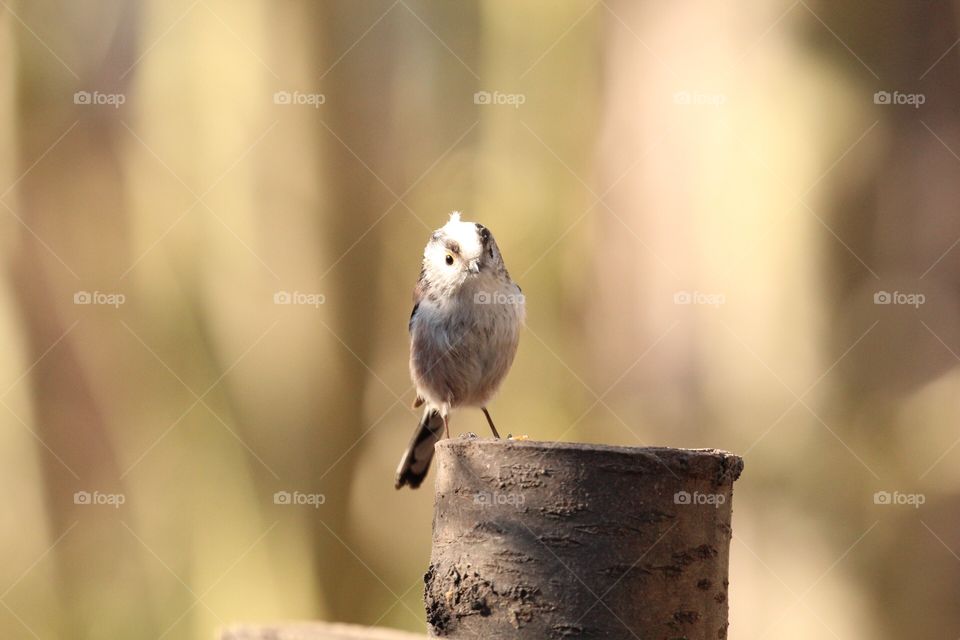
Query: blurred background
(735, 225)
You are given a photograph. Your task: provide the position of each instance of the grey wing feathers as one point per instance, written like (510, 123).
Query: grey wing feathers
(412, 313)
(417, 297)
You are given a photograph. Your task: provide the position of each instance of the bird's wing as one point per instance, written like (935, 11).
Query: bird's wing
(417, 296)
(412, 314)
(418, 293)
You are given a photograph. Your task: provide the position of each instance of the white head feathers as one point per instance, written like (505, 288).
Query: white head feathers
(464, 234)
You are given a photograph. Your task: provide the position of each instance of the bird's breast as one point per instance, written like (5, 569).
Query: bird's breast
(462, 349)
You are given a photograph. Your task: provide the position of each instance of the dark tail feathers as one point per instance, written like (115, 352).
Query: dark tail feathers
(416, 459)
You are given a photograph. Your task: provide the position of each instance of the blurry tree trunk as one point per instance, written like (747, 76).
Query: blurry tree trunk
(79, 174)
(359, 116)
(645, 162)
(899, 218)
(373, 136)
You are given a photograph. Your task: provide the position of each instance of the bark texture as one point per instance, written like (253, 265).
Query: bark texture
(558, 540)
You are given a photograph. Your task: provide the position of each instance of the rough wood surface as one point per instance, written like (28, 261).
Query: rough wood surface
(313, 631)
(556, 540)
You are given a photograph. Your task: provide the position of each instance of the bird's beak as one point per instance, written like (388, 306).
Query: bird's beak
(474, 266)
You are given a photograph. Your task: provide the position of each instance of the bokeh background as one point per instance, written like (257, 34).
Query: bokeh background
(707, 205)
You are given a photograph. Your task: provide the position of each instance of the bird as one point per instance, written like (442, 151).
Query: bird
(464, 332)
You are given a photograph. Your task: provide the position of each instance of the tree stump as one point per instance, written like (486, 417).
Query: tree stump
(537, 540)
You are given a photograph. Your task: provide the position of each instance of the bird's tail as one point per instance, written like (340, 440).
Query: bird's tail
(416, 459)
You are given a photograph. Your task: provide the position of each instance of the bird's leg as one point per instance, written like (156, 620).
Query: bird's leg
(490, 422)
(446, 426)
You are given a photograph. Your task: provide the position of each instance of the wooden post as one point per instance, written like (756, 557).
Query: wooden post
(539, 540)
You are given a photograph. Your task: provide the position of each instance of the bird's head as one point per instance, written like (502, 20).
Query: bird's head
(460, 251)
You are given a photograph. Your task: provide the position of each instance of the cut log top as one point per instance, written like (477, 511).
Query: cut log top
(716, 465)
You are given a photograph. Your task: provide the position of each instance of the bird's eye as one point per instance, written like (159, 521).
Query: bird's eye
(449, 259)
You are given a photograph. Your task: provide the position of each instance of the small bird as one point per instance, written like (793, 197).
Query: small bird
(464, 332)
